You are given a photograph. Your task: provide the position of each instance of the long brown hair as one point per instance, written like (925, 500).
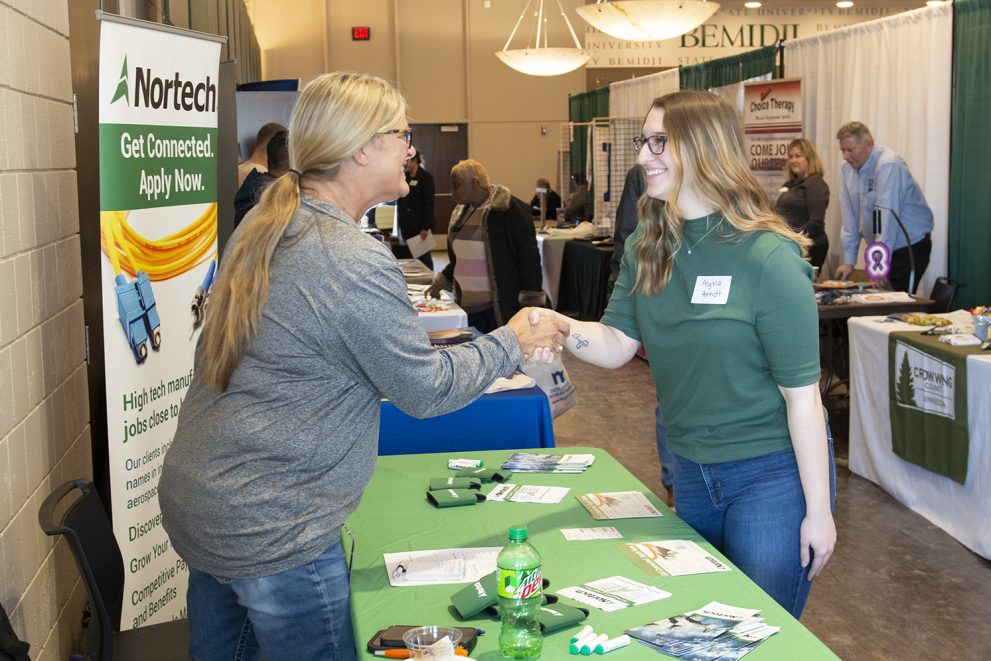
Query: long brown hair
(335, 116)
(706, 144)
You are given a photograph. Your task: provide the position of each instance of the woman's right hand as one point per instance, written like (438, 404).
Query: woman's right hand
(541, 337)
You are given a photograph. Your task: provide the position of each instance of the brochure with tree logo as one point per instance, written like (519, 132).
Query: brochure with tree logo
(618, 505)
(672, 557)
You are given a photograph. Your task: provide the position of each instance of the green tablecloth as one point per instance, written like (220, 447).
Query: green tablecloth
(927, 394)
(394, 516)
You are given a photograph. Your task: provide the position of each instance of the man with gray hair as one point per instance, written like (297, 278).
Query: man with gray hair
(877, 178)
(494, 267)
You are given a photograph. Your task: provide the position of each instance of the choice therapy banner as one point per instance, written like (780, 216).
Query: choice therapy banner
(158, 229)
(772, 117)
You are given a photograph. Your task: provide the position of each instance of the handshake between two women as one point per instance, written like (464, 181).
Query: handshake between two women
(541, 334)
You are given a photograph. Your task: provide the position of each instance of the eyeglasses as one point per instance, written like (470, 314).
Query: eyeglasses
(655, 143)
(405, 134)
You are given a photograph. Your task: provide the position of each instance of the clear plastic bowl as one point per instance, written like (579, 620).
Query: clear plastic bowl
(421, 642)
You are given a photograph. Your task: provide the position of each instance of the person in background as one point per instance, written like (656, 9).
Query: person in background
(415, 212)
(878, 178)
(626, 222)
(715, 287)
(308, 328)
(804, 198)
(552, 201)
(259, 155)
(494, 267)
(577, 208)
(277, 154)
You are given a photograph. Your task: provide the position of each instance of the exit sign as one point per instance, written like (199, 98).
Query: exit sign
(361, 33)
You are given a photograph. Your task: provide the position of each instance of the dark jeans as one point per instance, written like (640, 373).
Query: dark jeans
(484, 321)
(901, 265)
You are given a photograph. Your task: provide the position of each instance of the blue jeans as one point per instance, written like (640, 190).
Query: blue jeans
(296, 615)
(752, 511)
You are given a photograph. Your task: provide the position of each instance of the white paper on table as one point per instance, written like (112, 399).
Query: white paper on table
(618, 505)
(672, 557)
(527, 493)
(614, 593)
(418, 246)
(478, 562)
(580, 534)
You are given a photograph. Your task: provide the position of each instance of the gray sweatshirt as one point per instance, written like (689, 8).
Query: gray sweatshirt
(259, 478)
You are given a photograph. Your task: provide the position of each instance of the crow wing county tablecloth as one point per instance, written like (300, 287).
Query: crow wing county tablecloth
(962, 510)
(927, 400)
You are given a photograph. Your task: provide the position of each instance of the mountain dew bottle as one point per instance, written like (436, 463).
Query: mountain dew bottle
(520, 597)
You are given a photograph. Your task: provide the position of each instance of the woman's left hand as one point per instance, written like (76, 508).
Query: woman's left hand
(818, 538)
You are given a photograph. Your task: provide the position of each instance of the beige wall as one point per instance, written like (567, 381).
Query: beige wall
(447, 67)
(290, 36)
(44, 411)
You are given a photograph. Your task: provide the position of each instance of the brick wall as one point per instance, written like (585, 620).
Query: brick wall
(44, 409)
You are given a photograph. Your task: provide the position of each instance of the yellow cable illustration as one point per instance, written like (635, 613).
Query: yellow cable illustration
(146, 260)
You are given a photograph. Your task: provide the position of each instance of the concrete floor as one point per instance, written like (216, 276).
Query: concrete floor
(897, 587)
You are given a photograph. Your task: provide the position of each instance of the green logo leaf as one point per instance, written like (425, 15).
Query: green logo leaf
(122, 92)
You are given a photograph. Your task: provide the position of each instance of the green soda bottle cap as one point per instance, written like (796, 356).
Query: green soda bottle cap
(518, 533)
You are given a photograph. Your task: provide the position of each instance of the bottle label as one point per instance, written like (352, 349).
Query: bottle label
(522, 584)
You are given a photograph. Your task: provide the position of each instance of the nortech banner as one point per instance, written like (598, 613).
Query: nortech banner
(158, 231)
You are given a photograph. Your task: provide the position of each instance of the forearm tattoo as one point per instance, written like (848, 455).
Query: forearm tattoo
(580, 342)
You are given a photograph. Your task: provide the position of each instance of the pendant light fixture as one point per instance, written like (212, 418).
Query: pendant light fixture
(539, 59)
(647, 20)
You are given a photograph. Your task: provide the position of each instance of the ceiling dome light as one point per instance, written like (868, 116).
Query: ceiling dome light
(647, 20)
(752, 5)
(539, 59)
(934, 3)
(844, 4)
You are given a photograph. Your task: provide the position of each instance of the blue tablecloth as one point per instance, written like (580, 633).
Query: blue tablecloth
(503, 420)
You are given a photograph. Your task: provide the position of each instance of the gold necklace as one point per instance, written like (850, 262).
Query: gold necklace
(695, 245)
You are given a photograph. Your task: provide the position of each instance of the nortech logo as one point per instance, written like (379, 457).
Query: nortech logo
(121, 92)
(151, 91)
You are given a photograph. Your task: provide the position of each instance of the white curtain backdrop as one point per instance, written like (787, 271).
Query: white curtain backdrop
(632, 98)
(894, 75)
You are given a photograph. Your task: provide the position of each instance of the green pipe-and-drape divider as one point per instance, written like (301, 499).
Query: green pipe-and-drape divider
(583, 108)
(970, 144)
(728, 70)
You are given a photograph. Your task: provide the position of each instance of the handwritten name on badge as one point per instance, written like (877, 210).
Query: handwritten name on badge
(712, 289)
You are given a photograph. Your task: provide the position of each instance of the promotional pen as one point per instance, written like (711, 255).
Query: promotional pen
(393, 654)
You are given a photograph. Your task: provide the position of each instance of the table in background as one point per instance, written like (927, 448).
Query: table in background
(394, 516)
(584, 279)
(450, 319)
(551, 251)
(508, 419)
(416, 272)
(830, 314)
(962, 510)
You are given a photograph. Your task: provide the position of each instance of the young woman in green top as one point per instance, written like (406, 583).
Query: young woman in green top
(715, 287)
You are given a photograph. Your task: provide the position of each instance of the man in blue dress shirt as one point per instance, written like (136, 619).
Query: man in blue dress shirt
(878, 178)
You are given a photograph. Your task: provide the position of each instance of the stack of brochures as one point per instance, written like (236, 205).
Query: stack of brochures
(715, 631)
(525, 462)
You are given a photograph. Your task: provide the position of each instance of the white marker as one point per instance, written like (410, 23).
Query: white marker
(576, 647)
(584, 631)
(612, 644)
(457, 464)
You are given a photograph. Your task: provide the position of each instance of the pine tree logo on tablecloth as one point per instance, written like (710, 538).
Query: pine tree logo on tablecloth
(905, 390)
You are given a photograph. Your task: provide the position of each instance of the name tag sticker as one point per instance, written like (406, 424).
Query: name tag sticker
(413, 182)
(712, 289)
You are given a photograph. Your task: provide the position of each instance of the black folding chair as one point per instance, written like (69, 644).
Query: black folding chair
(87, 528)
(943, 293)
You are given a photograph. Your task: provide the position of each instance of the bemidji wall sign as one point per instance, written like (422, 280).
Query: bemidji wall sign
(728, 32)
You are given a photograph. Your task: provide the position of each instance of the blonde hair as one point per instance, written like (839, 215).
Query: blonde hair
(470, 168)
(335, 116)
(706, 145)
(808, 150)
